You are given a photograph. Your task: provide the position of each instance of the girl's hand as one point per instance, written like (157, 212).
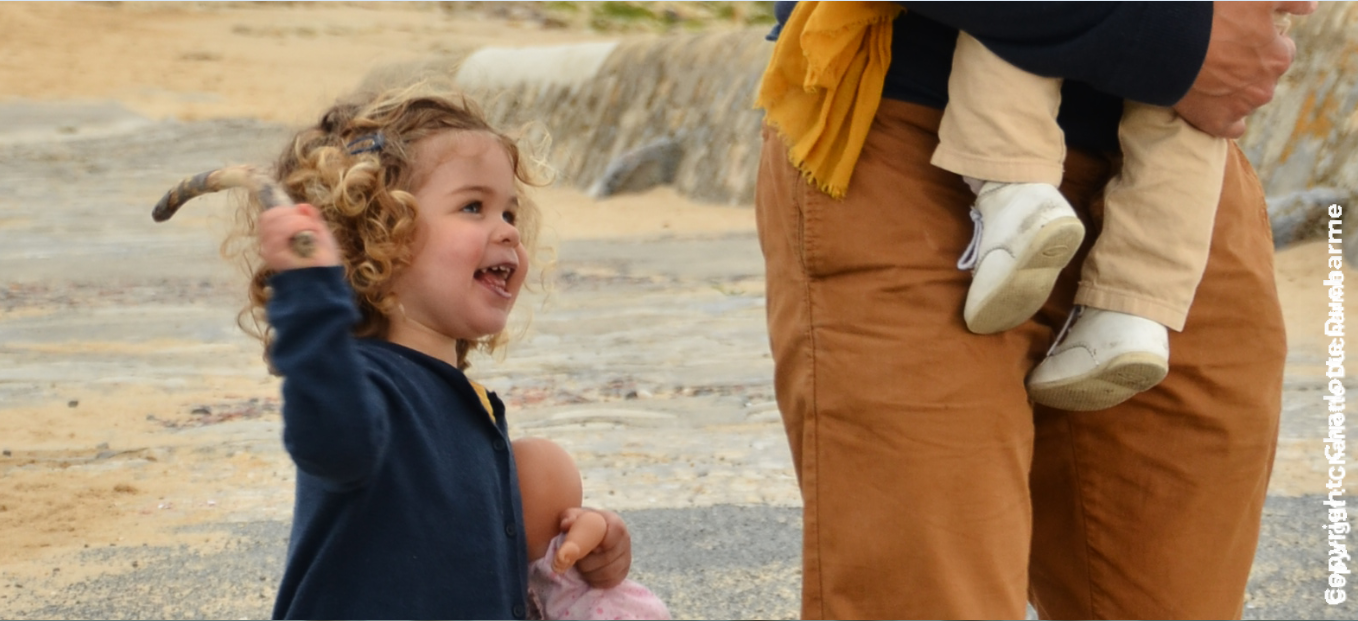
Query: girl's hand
(607, 566)
(278, 225)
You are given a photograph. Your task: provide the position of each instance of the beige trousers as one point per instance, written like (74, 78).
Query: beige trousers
(932, 487)
(1000, 125)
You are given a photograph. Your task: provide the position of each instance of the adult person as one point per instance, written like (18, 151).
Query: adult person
(932, 486)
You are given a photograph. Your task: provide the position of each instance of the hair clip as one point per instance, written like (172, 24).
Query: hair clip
(364, 144)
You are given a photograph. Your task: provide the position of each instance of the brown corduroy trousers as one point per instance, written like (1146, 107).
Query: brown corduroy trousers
(932, 487)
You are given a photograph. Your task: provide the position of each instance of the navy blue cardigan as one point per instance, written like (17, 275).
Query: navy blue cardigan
(407, 498)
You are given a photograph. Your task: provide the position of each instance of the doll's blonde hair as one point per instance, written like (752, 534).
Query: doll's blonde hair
(357, 167)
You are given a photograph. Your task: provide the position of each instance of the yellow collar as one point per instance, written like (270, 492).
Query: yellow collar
(485, 399)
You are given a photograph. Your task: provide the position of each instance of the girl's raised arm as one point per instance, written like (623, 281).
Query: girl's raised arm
(334, 417)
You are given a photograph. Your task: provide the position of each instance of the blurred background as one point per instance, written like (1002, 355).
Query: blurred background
(141, 473)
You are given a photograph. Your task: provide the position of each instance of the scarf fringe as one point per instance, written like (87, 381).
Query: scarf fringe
(826, 48)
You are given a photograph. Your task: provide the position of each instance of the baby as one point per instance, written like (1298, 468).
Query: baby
(1138, 280)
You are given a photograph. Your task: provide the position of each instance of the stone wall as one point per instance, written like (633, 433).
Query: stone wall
(695, 89)
(1308, 136)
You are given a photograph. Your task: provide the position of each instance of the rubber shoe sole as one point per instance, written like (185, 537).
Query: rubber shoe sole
(1103, 388)
(1018, 297)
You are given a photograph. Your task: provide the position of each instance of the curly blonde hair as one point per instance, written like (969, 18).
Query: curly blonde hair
(365, 195)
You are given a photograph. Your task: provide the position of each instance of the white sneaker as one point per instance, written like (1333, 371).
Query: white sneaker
(1104, 359)
(1025, 234)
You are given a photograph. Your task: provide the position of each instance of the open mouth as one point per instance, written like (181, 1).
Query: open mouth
(496, 278)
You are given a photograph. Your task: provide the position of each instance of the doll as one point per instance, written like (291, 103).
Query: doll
(549, 485)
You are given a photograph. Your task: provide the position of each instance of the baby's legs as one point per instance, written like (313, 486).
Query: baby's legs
(1157, 222)
(1144, 267)
(1000, 123)
(999, 132)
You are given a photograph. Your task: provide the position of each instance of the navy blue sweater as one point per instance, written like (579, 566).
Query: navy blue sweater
(1106, 51)
(407, 498)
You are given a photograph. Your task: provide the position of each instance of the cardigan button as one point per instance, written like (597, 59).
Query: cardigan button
(518, 611)
(498, 444)
(510, 530)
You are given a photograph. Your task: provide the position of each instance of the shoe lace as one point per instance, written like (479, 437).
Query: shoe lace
(973, 251)
(1061, 336)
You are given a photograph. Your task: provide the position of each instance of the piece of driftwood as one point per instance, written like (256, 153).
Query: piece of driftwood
(262, 186)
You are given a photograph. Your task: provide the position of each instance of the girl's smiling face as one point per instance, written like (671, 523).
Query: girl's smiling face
(469, 264)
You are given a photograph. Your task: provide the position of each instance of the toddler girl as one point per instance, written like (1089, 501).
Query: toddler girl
(407, 494)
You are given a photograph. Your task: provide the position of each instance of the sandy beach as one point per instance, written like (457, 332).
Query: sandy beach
(134, 414)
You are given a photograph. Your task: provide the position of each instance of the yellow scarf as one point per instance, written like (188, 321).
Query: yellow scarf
(823, 85)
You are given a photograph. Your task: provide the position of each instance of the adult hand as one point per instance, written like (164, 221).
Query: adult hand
(1245, 57)
(278, 225)
(607, 566)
